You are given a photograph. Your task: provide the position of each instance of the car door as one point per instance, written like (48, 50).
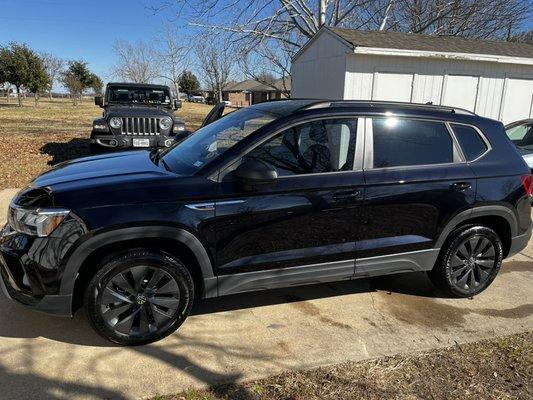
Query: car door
(416, 181)
(303, 226)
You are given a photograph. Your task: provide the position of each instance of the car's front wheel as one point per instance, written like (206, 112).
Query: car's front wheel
(139, 297)
(469, 261)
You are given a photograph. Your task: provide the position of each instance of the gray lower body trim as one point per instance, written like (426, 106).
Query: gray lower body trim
(422, 260)
(283, 277)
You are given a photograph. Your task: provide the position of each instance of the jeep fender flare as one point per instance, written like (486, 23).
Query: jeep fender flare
(476, 212)
(78, 257)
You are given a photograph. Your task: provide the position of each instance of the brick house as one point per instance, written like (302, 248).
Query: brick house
(247, 92)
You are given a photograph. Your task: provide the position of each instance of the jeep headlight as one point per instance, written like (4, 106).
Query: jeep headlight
(39, 222)
(165, 123)
(115, 122)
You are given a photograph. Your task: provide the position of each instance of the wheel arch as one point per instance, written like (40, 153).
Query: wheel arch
(176, 241)
(499, 218)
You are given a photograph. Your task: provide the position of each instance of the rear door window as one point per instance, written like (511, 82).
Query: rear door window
(400, 142)
(472, 144)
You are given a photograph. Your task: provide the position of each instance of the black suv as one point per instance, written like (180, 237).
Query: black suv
(136, 115)
(277, 194)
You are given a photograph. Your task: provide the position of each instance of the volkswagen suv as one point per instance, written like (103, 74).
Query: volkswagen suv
(278, 194)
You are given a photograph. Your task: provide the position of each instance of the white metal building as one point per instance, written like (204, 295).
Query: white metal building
(493, 79)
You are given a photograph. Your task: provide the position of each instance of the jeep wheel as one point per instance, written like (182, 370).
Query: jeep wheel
(469, 262)
(139, 297)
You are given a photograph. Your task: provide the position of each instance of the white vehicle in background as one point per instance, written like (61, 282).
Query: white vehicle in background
(197, 99)
(521, 134)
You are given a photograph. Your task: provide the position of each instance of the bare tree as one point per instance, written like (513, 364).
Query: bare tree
(216, 60)
(274, 30)
(137, 62)
(481, 19)
(173, 57)
(53, 65)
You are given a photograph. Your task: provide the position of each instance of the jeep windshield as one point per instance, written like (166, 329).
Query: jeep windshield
(140, 96)
(209, 142)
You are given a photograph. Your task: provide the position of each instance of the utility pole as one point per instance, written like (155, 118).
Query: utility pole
(322, 5)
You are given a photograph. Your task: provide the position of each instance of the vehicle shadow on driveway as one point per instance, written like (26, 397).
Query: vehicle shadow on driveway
(61, 151)
(18, 322)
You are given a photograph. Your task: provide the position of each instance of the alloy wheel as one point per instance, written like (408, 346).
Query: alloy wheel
(472, 262)
(140, 301)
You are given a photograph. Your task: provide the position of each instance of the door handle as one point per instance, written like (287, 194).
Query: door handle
(350, 194)
(460, 185)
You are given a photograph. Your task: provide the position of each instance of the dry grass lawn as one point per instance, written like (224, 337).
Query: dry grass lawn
(34, 138)
(500, 368)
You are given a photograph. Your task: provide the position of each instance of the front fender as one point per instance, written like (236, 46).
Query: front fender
(92, 244)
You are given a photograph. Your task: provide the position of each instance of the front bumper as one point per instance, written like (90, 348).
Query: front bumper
(127, 141)
(31, 268)
(60, 305)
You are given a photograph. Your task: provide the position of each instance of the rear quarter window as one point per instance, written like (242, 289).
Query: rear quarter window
(402, 142)
(472, 144)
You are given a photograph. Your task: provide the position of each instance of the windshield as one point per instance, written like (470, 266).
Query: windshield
(522, 136)
(131, 95)
(214, 139)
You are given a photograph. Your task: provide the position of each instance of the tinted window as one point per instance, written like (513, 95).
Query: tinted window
(214, 139)
(313, 147)
(117, 94)
(472, 144)
(403, 142)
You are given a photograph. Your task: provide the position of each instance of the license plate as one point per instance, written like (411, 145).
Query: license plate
(141, 142)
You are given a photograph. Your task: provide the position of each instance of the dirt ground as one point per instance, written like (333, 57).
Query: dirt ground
(500, 368)
(32, 139)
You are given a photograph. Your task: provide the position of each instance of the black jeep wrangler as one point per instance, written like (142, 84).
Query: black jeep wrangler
(136, 115)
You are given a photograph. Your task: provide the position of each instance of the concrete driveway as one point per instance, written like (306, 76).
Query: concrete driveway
(257, 334)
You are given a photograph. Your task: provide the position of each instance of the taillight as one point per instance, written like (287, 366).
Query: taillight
(527, 183)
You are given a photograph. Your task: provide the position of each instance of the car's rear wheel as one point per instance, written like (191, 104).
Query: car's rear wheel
(469, 261)
(139, 297)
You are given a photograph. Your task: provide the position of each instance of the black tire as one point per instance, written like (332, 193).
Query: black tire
(139, 297)
(469, 261)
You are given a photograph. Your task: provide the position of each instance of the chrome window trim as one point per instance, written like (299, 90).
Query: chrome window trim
(369, 149)
(359, 137)
(480, 133)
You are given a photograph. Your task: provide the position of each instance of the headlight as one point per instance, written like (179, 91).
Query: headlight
(39, 222)
(115, 122)
(165, 123)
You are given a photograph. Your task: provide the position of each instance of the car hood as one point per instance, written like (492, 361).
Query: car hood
(116, 167)
(137, 111)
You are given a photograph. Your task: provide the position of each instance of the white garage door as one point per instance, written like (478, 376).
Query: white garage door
(517, 100)
(460, 91)
(392, 86)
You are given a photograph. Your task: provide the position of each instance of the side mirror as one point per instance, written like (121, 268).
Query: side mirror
(99, 101)
(177, 104)
(255, 172)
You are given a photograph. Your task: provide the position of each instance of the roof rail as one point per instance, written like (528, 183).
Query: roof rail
(371, 103)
